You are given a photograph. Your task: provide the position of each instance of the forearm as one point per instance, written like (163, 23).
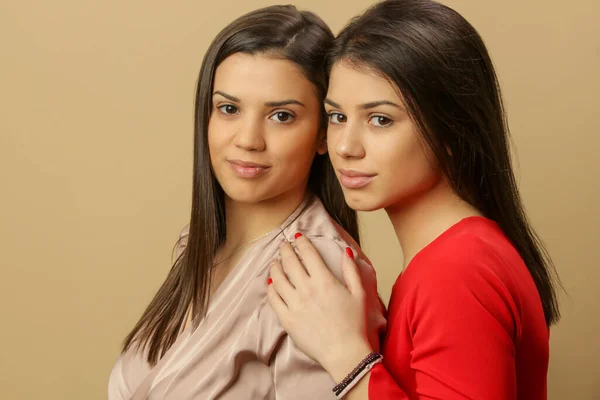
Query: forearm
(345, 363)
(377, 383)
(361, 390)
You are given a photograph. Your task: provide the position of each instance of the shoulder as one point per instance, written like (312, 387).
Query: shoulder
(463, 275)
(333, 249)
(328, 237)
(127, 373)
(181, 243)
(467, 254)
(333, 252)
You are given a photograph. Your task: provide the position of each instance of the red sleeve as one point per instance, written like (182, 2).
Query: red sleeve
(383, 386)
(462, 323)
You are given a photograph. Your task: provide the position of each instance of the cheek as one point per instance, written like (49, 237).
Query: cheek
(332, 142)
(215, 140)
(295, 155)
(406, 164)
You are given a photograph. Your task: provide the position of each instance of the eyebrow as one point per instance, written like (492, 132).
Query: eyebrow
(365, 106)
(332, 103)
(374, 104)
(227, 96)
(268, 104)
(283, 103)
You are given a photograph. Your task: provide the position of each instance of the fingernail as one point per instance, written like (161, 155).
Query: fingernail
(269, 281)
(349, 253)
(297, 235)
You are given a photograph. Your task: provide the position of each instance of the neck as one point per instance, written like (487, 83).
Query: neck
(249, 221)
(421, 220)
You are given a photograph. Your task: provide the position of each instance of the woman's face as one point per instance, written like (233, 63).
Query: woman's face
(264, 129)
(375, 148)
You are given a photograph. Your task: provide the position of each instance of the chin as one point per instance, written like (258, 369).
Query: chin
(243, 194)
(253, 194)
(248, 198)
(362, 202)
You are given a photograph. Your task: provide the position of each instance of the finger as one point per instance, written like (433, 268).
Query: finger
(352, 274)
(277, 303)
(281, 284)
(292, 265)
(313, 262)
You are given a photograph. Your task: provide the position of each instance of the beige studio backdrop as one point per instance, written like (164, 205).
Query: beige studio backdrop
(96, 105)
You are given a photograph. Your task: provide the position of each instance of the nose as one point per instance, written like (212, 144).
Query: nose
(348, 142)
(250, 135)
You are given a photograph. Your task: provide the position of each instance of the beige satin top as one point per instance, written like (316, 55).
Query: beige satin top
(240, 351)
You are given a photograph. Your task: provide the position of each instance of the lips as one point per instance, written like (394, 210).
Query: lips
(247, 169)
(353, 179)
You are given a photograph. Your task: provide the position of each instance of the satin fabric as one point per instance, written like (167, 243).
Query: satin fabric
(240, 351)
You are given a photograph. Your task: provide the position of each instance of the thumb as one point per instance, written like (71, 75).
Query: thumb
(351, 274)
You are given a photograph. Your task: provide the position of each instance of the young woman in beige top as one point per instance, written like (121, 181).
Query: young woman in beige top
(261, 174)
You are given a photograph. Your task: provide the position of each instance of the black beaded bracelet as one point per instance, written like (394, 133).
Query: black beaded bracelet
(367, 363)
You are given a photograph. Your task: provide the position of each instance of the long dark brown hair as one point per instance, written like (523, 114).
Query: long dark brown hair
(446, 77)
(280, 31)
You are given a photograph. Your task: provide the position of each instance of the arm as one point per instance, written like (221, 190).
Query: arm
(333, 253)
(117, 386)
(460, 318)
(377, 385)
(464, 323)
(326, 319)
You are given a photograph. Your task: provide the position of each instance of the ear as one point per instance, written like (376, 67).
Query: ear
(322, 145)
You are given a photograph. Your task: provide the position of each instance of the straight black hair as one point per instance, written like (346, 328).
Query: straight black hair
(441, 67)
(282, 32)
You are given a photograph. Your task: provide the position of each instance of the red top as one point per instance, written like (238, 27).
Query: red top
(465, 321)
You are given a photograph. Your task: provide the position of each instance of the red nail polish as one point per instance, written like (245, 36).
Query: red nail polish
(297, 235)
(269, 281)
(349, 253)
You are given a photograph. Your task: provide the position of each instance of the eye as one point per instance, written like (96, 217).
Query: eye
(337, 118)
(282, 117)
(228, 109)
(380, 121)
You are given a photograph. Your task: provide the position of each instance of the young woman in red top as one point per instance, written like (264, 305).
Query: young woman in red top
(417, 127)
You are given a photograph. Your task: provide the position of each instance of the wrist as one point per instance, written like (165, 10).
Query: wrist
(349, 356)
